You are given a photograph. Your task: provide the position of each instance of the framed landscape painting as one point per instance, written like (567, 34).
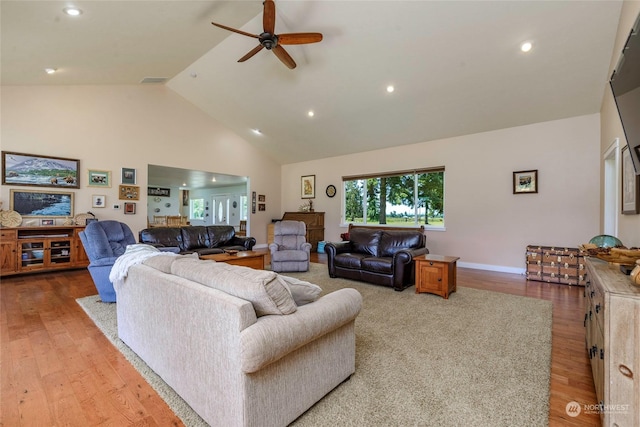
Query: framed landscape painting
(525, 182)
(39, 171)
(41, 203)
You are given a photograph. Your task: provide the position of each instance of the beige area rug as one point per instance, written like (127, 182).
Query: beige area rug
(479, 358)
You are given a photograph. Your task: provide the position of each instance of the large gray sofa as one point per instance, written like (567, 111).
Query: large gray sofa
(240, 346)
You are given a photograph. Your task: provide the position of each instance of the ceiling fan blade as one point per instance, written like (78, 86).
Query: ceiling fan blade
(251, 53)
(269, 16)
(299, 38)
(284, 57)
(235, 31)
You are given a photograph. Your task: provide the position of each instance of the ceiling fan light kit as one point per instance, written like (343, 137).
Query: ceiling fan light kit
(269, 40)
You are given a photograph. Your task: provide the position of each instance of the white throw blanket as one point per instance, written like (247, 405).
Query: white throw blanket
(134, 254)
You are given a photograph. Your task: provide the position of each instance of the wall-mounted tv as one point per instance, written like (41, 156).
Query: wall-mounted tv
(625, 84)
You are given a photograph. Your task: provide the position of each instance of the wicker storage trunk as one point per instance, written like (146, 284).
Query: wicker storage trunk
(555, 265)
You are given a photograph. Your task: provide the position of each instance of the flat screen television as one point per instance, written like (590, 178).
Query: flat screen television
(625, 84)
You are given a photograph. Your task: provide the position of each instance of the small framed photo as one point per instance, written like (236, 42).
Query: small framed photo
(525, 182)
(262, 207)
(129, 192)
(262, 198)
(129, 208)
(98, 201)
(630, 185)
(47, 222)
(128, 176)
(98, 178)
(308, 187)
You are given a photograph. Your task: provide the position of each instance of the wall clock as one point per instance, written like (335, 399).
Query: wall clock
(331, 190)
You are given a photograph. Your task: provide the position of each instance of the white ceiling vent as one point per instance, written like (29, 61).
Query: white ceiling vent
(154, 80)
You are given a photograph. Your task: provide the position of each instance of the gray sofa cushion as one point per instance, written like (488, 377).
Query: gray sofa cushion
(266, 291)
(301, 291)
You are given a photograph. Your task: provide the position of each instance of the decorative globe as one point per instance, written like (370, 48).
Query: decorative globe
(606, 241)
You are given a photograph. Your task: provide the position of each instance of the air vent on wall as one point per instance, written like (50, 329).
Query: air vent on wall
(150, 80)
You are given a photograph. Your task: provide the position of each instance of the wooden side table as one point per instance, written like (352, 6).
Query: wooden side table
(436, 274)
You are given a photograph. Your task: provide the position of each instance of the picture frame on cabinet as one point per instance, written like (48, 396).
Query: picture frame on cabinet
(630, 185)
(39, 171)
(99, 178)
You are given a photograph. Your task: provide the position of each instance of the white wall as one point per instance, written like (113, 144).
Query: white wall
(110, 127)
(611, 127)
(486, 224)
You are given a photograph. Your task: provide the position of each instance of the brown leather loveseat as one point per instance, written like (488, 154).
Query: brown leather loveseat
(204, 240)
(381, 256)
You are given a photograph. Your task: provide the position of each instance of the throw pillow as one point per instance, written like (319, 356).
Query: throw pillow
(163, 262)
(301, 291)
(263, 289)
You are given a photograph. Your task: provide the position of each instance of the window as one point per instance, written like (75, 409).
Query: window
(400, 198)
(196, 208)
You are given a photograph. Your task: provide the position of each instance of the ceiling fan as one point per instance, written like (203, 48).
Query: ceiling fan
(271, 41)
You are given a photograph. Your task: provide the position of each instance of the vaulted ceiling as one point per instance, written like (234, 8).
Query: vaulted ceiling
(456, 66)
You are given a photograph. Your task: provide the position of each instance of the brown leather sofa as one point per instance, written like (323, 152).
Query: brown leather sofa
(204, 240)
(376, 255)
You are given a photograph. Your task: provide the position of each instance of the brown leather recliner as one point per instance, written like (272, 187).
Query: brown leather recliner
(378, 256)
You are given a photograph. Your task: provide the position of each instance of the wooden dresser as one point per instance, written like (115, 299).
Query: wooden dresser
(36, 249)
(314, 222)
(612, 323)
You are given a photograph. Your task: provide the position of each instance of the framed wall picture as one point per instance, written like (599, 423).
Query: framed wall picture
(158, 191)
(253, 202)
(525, 182)
(38, 203)
(129, 192)
(262, 207)
(99, 178)
(262, 198)
(98, 201)
(308, 187)
(39, 171)
(128, 176)
(630, 185)
(129, 208)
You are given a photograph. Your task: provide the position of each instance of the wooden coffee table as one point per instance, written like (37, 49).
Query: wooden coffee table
(251, 259)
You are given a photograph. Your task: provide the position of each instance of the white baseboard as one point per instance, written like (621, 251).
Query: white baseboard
(489, 267)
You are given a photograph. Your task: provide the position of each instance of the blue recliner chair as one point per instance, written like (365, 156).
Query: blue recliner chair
(104, 241)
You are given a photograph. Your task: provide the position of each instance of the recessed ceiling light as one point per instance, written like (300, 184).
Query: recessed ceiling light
(390, 88)
(526, 46)
(50, 70)
(213, 179)
(72, 11)
(311, 113)
(257, 131)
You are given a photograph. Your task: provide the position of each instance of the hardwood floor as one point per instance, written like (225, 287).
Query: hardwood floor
(57, 368)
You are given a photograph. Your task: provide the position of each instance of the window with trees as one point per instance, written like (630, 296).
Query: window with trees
(399, 198)
(196, 208)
